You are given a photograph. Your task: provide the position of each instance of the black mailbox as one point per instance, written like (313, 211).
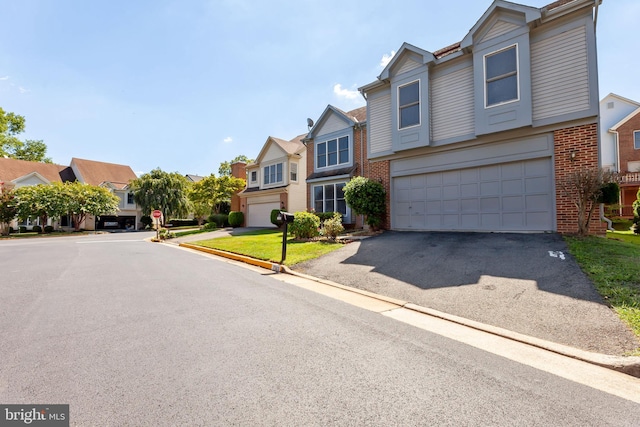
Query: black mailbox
(285, 217)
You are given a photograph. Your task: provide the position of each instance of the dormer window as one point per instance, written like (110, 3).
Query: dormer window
(273, 174)
(409, 105)
(501, 76)
(332, 152)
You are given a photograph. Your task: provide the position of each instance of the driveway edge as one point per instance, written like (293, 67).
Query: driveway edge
(627, 365)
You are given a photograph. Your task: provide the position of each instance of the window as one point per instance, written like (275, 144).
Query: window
(636, 139)
(254, 176)
(333, 152)
(273, 174)
(409, 105)
(293, 174)
(329, 198)
(501, 76)
(130, 199)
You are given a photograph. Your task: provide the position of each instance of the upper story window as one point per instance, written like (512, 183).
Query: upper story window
(636, 139)
(273, 174)
(409, 105)
(293, 172)
(501, 76)
(253, 177)
(333, 152)
(130, 200)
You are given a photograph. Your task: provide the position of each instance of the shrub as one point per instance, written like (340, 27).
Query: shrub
(332, 227)
(166, 234)
(48, 228)
(305, 225)
(209, 226)
(367, 198)
(274, 218)
(236, 219)
(610, 193)
(324, 215)
(146, 221)
(183, 222)
(36, 229)
(220, 220)
(11, 230)
(22, 229)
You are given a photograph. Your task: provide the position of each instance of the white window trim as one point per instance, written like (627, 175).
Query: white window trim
(337, 138)
(634, 139)
(274, 183)
(419, 104)
(293, 168)
(484, 80)
(251, 180)
(347, 215)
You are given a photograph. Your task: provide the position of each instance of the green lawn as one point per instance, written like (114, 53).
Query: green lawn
(614, 267)
(267, 245)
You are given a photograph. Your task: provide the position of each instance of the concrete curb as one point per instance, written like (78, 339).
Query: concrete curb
(627, 365)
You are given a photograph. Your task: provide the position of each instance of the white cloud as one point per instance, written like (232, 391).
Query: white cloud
(23, 90)
(4, 78)
(386, 58)
(227, 140)
(345, 93)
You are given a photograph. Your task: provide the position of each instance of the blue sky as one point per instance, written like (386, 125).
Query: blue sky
(185, 85)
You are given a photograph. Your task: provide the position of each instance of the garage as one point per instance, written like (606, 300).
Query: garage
(259, 214)
(513, 196)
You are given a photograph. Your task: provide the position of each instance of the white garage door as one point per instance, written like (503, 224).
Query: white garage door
(515, 196)
(259, 214)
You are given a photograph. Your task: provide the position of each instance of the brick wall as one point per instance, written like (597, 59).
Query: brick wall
(379, 171)
(583, 141)
(238, 170)
(625, 137)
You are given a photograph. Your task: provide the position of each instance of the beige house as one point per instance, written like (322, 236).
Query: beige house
(276, 180)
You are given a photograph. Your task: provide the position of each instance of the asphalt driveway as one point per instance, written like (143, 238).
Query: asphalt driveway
(527, 283)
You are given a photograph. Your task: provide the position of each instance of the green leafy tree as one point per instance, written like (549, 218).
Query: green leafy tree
(82, 200)
(208, 195)
(366, 197)
(225, 167)
(166, 191)
(8, 210)
(41, 201)
(11, 146)
(636, 214)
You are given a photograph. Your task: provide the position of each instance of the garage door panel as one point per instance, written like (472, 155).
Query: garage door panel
(259, 214)
(515, 196)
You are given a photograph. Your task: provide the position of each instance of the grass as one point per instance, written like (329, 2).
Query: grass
(190, 231)
(267, 245)
(613, 264)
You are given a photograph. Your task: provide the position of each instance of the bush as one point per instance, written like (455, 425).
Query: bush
(332, 227)
(367, 198)
(324, 215)
(209, 226)
(236, 219)
(48, 228)
(165, 234)
(183, 222)
(11, 230)
(36, 229)
(220, 220)
(610, 193)
(305, 225)
(274, 218)
(146, 221)
(22, 229)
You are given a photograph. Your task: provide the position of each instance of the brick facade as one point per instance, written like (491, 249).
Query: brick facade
(582, 142)
(379, 171)
(627, 152)
(238, 170)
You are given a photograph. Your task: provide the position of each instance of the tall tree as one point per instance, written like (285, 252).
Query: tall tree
(11, 125)
(83, 199)
(41, 201)
(161, 190)
(209, 194)
(225, 167)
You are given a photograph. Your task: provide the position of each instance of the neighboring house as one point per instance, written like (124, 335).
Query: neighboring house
(21, 173)
(478, 135)
(193, 178)
(116, 178)
(626, 136)
(275, 181)
(336, 152)
(613, 109)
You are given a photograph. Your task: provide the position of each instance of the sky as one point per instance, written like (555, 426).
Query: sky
(183, 85)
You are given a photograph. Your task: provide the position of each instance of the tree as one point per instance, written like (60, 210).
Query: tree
(161, 190)
(209, 194)
(84, 199)
(225, 167)
(41, 201)
(584, 188)
(636, 214)
(11, 125)
(367, 198)
(8, 209)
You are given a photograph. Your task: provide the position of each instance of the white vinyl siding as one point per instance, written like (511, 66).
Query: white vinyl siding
(407, 65)
(331, 124)
(560, 74)
(379, 126)
(452, 111)
(498, 29)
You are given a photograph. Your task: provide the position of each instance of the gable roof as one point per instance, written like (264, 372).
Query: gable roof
(351, 118)
(291, 147)
(97, 173)
(625, 120)
(194, 178)
(406, 47)
(12, 170)
(621, 98)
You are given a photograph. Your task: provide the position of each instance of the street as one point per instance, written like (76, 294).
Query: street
(129, 332)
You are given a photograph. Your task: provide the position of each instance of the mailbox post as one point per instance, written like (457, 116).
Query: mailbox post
(286, 218)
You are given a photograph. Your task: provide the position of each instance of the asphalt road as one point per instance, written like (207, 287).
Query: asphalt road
(133, 333)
